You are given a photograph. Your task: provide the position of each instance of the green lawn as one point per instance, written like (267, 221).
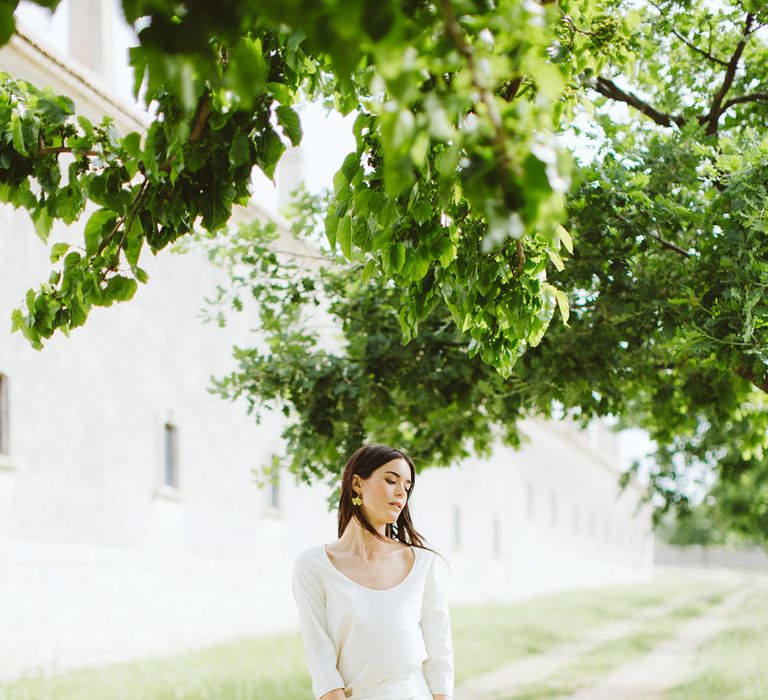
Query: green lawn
(604, 659)
(485, 637)
(733, 665)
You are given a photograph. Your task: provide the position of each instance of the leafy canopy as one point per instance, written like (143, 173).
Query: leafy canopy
(453, 216)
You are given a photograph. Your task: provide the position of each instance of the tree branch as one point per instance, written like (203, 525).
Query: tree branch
(45, 150)
(695, 48)
(520, 257)
(716, 109)
(751, 97)
(201, 118)
(610, 89)
(689, 44)
(669, 244)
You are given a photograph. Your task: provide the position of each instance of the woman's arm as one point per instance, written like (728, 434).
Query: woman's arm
(337, 694)
(436, 629)
(309, 593)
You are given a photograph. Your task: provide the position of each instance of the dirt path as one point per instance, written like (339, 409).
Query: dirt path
(668, 664)
(531, 669)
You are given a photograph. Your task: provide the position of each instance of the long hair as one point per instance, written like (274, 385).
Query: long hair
(364, 462)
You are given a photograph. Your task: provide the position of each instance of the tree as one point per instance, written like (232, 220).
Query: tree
(448, 213)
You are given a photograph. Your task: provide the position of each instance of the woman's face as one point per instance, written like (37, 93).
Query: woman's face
(387, 485)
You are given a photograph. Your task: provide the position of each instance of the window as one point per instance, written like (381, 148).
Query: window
(4, 449)
(529, 498)
(552, 508)
(456, 527)
(496, 538)
(171, 452)
(274, 490)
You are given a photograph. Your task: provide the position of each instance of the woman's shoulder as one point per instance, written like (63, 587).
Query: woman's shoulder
(431, 557)
(309, 556)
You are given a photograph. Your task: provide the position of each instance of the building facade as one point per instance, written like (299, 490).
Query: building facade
(129, 521)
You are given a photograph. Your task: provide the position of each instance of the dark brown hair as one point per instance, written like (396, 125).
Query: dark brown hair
(366, 460)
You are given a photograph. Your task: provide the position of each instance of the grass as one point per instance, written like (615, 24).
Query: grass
(267, 668)
(605, 658)
(249, 669)
(491, 636)
(734, 664)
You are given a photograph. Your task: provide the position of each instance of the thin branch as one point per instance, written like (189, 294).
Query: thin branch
(692, 46)
(303, 255)
(202, 113)
(125, 220)
(610, 89)
(704, 53)
(520, 257)
(45, 150)
(653, 234)
(669, 244)
(716, 109)
(751, 97)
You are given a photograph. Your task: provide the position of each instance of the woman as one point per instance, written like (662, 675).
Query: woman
(372, 605)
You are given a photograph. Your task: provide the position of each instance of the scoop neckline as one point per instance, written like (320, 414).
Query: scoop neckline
(366, 588)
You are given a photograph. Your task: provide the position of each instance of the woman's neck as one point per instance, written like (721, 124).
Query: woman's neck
(358, 541)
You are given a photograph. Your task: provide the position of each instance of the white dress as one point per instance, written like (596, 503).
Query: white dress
(391, 644)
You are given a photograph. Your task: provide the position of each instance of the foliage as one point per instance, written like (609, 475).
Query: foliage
(448, 214)
(443, 117)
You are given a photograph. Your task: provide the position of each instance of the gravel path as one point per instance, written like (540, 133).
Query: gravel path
(668, 664)
(531, 669)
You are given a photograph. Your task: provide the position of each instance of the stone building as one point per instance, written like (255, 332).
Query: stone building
(129, 523)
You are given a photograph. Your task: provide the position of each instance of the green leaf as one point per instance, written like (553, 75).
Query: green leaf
(141, 275)
(120, 288)
(43, 223)
(563, 305)
(100, 220)
(369, 270)
(7, 24)
(565, 237)
(556, 261)
(17, 134)
(344, 236)
(240, 150)
(396, 257)
(289, 120)
(132, 144)
(58, 250)
(17, 320)
(247, 70)
(269, 150)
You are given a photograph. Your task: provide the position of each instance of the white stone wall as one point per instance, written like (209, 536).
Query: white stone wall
(99, 562)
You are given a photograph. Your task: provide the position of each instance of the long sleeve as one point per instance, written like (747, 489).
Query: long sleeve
(436, 629)
(309, 594)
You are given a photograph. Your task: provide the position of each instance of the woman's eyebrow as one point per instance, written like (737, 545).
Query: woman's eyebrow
(396, 474)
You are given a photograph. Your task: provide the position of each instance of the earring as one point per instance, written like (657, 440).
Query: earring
(357, 501)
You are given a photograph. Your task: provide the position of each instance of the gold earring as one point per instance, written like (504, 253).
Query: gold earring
(357, 501)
